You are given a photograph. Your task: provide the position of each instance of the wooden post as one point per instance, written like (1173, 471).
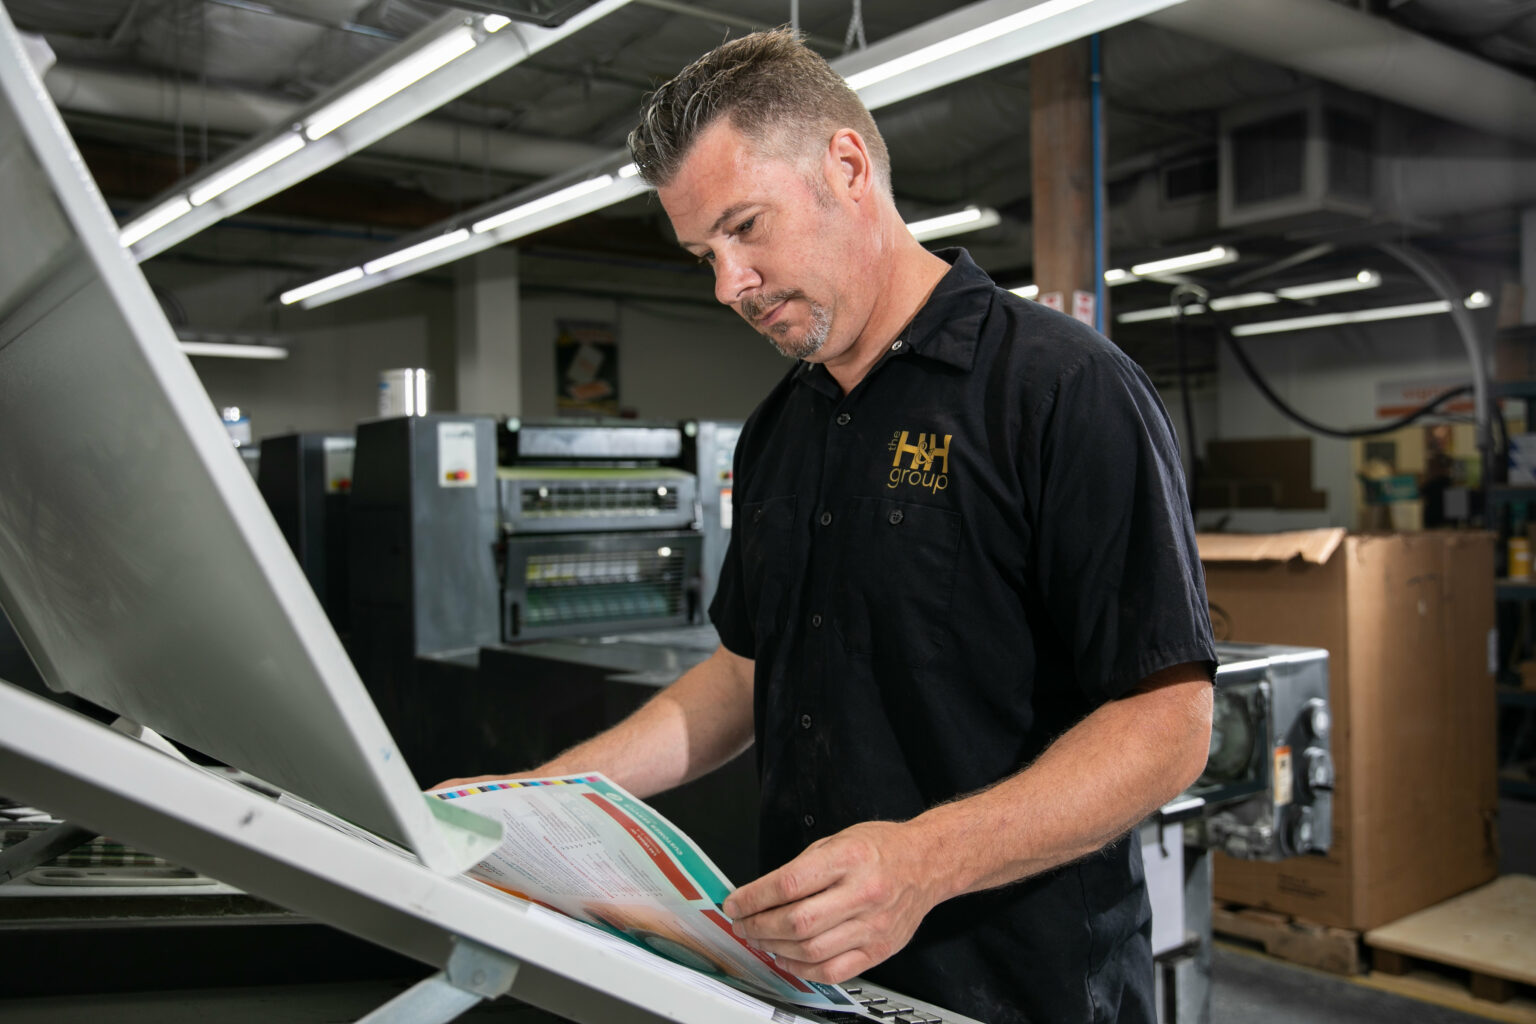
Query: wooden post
(1061, 155)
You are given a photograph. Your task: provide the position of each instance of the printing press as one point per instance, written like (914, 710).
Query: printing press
(521, 586)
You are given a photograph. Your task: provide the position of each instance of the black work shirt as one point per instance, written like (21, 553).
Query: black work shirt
(937, 574)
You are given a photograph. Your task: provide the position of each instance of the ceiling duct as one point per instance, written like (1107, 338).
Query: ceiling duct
(1296, 162)
(1368, 54)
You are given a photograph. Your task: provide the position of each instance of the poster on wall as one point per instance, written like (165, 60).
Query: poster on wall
(586, 368)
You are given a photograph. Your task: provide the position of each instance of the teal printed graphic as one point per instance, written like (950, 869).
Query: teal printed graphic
(713, 886)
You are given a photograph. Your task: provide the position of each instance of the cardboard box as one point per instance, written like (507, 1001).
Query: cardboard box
(1514, 352)
(1408, 622)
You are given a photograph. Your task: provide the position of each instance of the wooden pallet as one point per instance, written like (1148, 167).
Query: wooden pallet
(1336, 950)
(1486, 936)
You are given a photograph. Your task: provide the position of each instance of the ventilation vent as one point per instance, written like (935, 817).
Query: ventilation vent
(1190, 181)
(1298, 161)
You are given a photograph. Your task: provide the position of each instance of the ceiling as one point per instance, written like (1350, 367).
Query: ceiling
(152, 89)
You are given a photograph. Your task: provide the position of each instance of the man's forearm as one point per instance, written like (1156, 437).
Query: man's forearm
(691, 727)
(1096, 782)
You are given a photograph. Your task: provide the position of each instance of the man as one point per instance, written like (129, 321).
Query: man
(962, 616)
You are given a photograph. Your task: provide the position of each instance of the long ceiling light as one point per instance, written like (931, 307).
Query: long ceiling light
(441, 62)
(1477, 300)
(487, 226)
(1221, 254)
(990, 33)
(972, 218)
(978, 38)
(233, 350)
(1359, 282)
(407, 71)
(1213, 257)
(549, 202)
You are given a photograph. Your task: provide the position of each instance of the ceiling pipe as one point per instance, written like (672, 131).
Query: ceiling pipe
(1367, 54)
(245, 113)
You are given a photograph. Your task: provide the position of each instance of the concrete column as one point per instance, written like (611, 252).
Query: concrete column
(1061, 155)
(489, 349)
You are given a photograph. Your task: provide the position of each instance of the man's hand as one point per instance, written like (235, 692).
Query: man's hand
(845, 904)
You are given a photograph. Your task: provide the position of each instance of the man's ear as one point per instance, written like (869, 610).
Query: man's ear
(849, 164)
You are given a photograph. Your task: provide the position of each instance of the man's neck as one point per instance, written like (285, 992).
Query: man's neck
(915, 273)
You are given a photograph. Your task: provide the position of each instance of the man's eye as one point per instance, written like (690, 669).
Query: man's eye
(745, 225)
(706, 257)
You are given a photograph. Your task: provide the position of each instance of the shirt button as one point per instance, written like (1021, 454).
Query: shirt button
(843, 418)
(805, 721)
(896, 347)
(826, 519)
(897, 516)
(810, 820)
(757, 516)
(816, 621)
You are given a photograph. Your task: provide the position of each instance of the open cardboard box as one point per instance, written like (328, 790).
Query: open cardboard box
(1408, 622)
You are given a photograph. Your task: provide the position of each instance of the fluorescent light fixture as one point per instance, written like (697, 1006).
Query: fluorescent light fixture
(325, 284)
(1118, 276)
(1027, 291)
(1245, 300)
(233, 351)
(549, 202)
(972, 218)
(1365, 279)
(1360, 282)
(962, 41)
(1136, 316)
(259, 160)
(154, 220)
(1213, 257)
(1225, 302)
(395, 89)
(1358, 316)
(991, 33)
(977, 38)
(381, 87)
(411, 252)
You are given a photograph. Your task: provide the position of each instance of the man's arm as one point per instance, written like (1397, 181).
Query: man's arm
(693, 726)
(852, 900)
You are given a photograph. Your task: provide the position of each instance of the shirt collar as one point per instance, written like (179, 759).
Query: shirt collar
(947, 326)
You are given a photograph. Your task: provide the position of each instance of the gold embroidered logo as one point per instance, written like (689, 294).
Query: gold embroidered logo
(919, 472)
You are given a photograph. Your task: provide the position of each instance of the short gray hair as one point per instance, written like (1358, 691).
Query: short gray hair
(776, 91)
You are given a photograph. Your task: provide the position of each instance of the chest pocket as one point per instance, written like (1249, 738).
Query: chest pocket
(895, 579)
(767, 529)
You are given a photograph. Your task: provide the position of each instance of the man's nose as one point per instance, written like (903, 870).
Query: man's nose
(734, 279)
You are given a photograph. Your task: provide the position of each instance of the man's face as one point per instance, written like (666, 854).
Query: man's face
(771, 231)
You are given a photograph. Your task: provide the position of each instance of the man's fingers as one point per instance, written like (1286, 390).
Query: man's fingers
(821, 947)
(801, 877)
(831, 972)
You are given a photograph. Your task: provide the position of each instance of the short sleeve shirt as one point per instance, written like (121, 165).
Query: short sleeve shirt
(938, 573)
